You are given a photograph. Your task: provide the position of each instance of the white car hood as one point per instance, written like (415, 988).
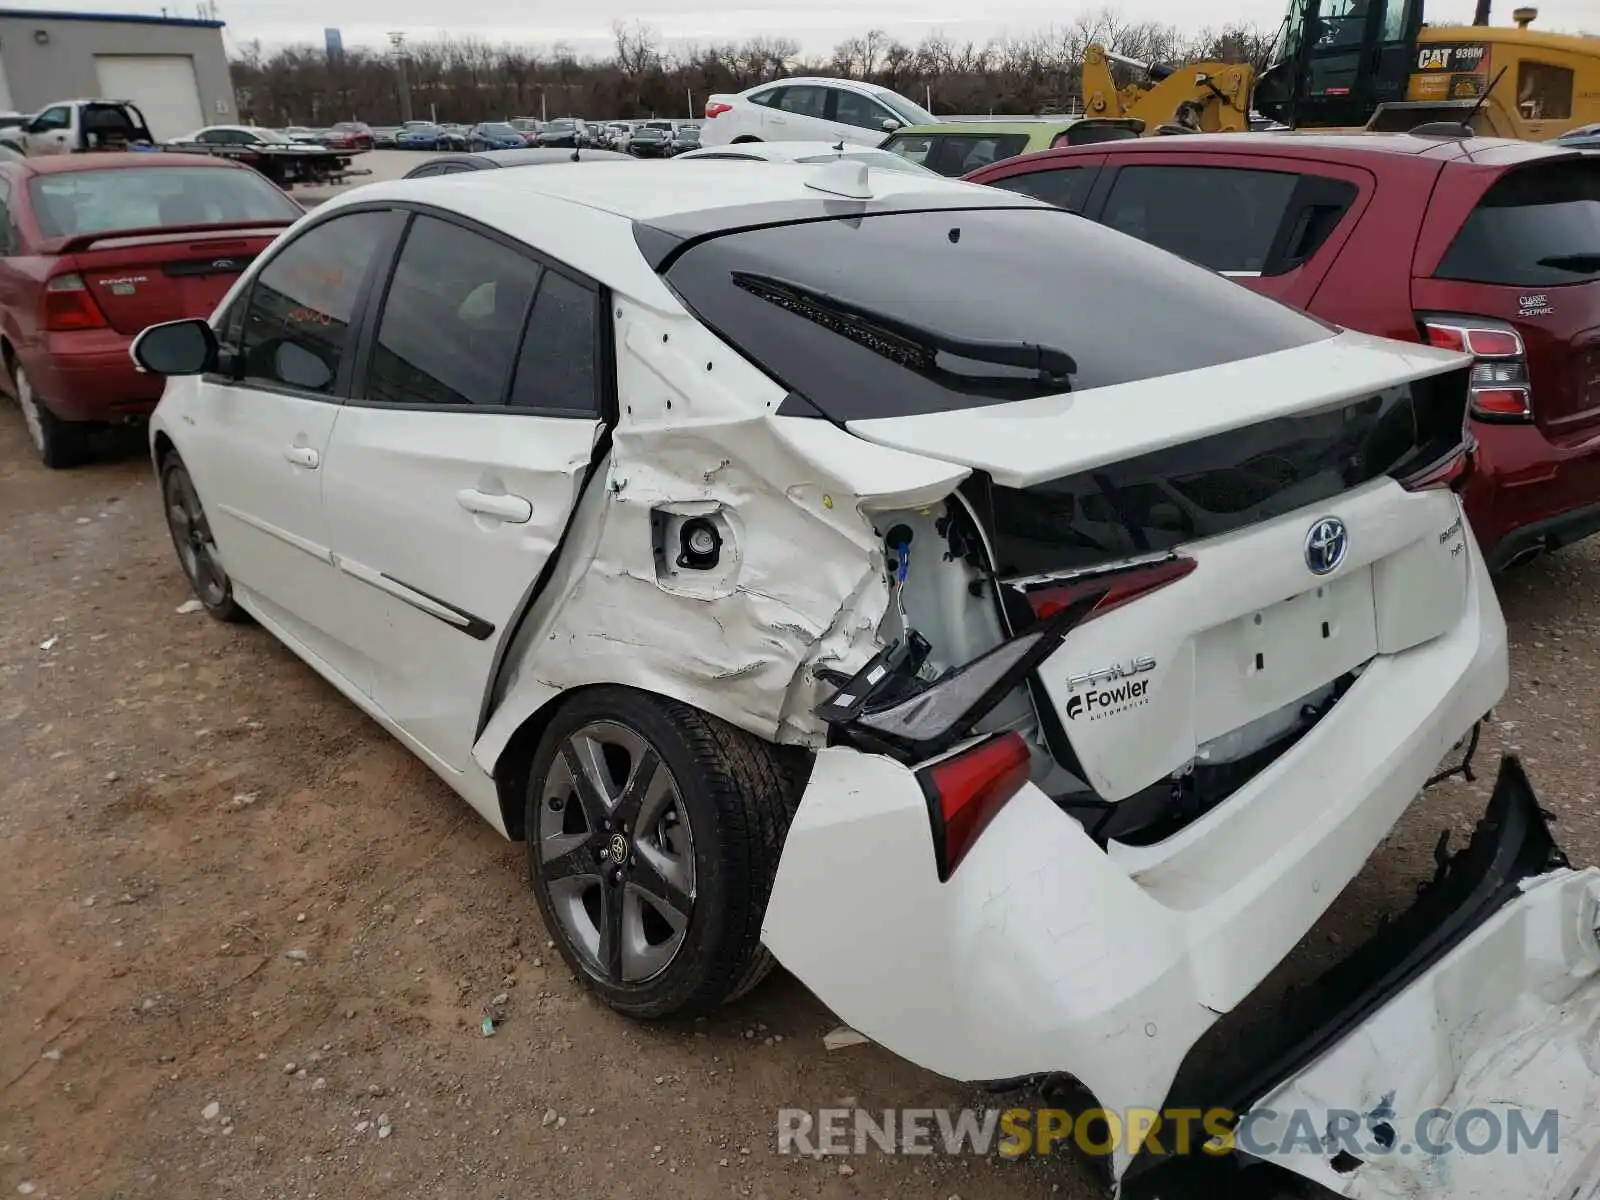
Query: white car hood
(1030, 441)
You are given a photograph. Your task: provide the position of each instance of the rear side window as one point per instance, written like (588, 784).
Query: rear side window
(1544, 92)
(900, 313)
(1535, 227)
(1219, 217)
(1065, 187)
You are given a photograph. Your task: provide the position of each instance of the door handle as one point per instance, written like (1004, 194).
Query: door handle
(302, 456)
(515, 509)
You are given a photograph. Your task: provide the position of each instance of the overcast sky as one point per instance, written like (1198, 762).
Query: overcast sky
(816, 24)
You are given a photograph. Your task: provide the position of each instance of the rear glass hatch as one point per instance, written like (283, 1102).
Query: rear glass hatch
(981, 336)
(1528, 255)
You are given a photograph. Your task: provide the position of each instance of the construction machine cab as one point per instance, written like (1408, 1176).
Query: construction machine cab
(1336, 61)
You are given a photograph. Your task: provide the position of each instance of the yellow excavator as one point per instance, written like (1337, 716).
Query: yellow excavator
(1370, 64)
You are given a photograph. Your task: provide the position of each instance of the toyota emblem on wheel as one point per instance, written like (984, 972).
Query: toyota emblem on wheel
(619, 849)
(1326, 545)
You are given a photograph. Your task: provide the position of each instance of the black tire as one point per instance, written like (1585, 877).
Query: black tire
(735, 798)
(59, 444)
(196, 549)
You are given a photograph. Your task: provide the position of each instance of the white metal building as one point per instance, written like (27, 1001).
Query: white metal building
(174, 68)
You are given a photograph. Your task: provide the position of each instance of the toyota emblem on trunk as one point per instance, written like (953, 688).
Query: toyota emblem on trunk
(1326, 545)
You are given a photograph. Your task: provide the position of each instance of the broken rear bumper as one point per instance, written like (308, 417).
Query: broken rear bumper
(1482, 997)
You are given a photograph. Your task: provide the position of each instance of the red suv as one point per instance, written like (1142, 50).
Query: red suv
(1482, 245)
(95, 248)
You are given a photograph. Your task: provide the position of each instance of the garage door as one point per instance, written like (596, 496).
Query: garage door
(162, 85)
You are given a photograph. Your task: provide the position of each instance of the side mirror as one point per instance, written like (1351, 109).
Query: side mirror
(176, 348)
(890, 125)
(299, 367)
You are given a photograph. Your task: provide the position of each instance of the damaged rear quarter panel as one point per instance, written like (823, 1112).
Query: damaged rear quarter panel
(800, 582)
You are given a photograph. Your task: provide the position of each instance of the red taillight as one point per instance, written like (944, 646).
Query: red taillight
(1119, 585)
(1499, 387)
(1449, 473)
(715, 108)
(966, 790)
(67, 305)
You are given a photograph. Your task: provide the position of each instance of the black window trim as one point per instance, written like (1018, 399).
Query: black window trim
(372, 315)
(340, 391)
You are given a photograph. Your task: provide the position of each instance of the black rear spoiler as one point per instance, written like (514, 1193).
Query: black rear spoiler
(83, 241)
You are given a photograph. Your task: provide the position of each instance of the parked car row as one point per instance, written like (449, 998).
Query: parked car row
(779, 550)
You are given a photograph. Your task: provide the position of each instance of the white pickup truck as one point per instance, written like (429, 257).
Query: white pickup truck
(77, 126)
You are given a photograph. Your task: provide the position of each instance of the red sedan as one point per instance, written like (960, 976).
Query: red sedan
(1482, 245)
(100, 246)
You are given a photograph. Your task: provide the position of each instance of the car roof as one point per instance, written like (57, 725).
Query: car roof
(59, 164)
(855, 85)
(1349, 147)
(585, 216)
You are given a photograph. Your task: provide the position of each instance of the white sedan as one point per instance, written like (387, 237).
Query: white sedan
(809, 153)
(810, 109)
(811, 564)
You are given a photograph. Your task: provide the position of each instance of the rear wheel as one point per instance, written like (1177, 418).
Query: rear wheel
(653, 835)
(59, 443)
(191, 538)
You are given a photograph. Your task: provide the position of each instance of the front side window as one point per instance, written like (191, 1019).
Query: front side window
(451, 320)
(296, 322)
(59, 117)
(955, 154)
(1544, 92)
(913, 147)
(856, 109)
(1242, 209)
(74, 202)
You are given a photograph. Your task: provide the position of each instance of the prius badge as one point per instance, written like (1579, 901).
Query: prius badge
(1326, 545)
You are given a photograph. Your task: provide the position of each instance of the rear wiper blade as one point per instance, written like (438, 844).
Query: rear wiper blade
(1028, 356)
(1581, 263)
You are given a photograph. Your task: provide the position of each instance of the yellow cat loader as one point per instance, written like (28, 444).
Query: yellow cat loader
(1370, 64)
(1205, 97)
(1374, 64)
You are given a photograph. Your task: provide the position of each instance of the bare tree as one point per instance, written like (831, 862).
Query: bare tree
(469, 79)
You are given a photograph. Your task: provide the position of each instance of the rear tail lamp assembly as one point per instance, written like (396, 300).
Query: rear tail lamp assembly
(68, 305)
(967, 789)
(888, 707)
(1499, 390)
(715, 108)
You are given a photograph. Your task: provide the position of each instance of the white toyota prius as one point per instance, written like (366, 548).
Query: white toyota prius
(1019, 633)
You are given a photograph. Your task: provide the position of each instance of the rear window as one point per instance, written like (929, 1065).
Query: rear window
(1535, 227)
(900, 313)
(74, 202)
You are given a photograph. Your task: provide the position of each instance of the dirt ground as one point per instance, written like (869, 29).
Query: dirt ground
(186, 804)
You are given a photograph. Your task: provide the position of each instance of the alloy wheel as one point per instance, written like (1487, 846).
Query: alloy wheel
(616, 853)
(191, 536)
